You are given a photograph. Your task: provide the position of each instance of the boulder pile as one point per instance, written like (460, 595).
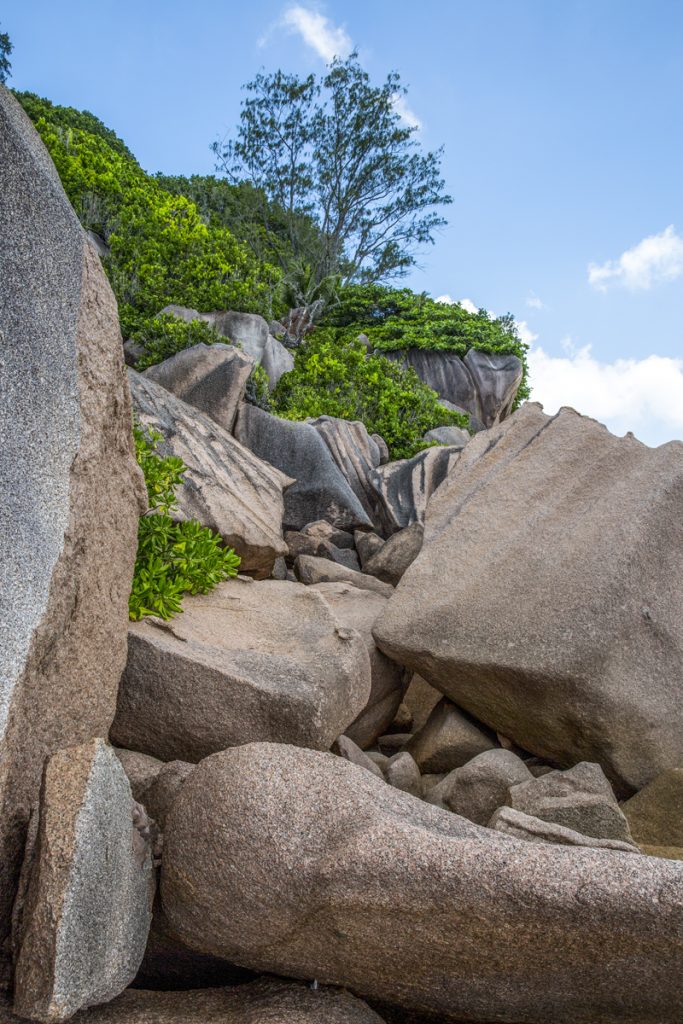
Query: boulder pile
(421, 762)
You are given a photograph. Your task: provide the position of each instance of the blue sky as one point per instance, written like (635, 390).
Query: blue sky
(563, 151)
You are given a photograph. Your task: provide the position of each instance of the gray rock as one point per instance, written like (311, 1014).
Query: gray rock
(226, 487)
(320, 490)
(536, 830)
(276, 360)
(448, 739)
(299, 543)
(557, 549)
(184, 313)
(164, 790)
(655, 815)
(580, 799)
(456, 437)
(475, 423)
(71, 490)
(248, 661)
(321, 529)
(132, 352)
(391, 561)
(421, 699)
(312, 570)
(212, 378)
(367, 545)
(393, 742)
(276, 329)
(314, 868)
(101, 247)
(279, 569)
(358, 609)
(496, 378)
(248, 330)
(356, 454)
(141, 771)
(83, 926)
(346, 748)
(401, 772)
(480, 786)
(404, 487)
(383, 448)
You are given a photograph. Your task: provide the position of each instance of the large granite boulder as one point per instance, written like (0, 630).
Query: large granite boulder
(538, 830)
(482, 384)
(358, 609)
(276, 360)
(320, 491)
(249, 661)
(311, 570)
(655, 814)
(82, 922)
(356, 454)
(404, 487)
(478, 788)
(71, 490)
(226, 487)
(547, 598)
(212, 378)
(314, 868)
(393, 558)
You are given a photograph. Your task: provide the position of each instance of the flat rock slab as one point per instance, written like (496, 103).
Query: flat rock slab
(71, 490)
(266, 1001)
(314, 868)
(536, 830)
(547, 597)
(226, 488)
(310, 570)
(249, 661)
(87, 909)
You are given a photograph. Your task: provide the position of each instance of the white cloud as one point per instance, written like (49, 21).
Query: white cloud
(644, 396)
(468, 305)
(533, 301)
(405, 113)
(654, 260)
(318, 32)
(525, 332)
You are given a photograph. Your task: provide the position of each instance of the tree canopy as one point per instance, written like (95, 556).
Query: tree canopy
(5, 51)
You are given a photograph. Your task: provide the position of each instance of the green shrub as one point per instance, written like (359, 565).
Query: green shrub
(173, 558)
(333, 376)
(258, 388)
(397, 318)
(164, 335)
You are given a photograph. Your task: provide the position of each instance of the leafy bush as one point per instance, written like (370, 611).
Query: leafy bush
(162, 251)
(396, 319)
(334, 376)
(164, 335)
(173, 558)
(258, 388)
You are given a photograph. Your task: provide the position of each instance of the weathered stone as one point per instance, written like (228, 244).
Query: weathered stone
(132, 352)
(480, 787)
(226, 486)
(162, 793)
(320, 490)
(655, 815)
(264, 1001)
(101, 247)
(71, 490)
(404, 487)
(325, 531)
(580, 799)
(276, 360)
(315, 869)
(141, 771)
(211, 378)
(392, 742)
(401, 772)
(383, 448)
(367, 545)
(321, 570)
(84, 918)
(377, 758)
(249, 661)
(402, 720)
(421, 699)
(391, 561)
(358, 609)
(455, 437)
(537, 830)
(279, 569)
(248, 330)
(356, 454)
(346, 748)
(448, 739)
(548, 593)
(299, 543)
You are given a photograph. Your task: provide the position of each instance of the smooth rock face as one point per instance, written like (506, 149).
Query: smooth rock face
(276, 360)
(249, 661)
(655, 815)
(71, 489)
(212, 378)
(402, 772)
(536, 830)
(356, 454)
(358, 609)
(404, 487)
(346, 748)
(448, 739)
(162, 793)
(580, 799)
(248, 330)
(226, 486)
(391, 561)
(266, 1001)
(548, 593)
(420, 699)
(367, 545)
(141, 771)
(88, 906)
(456, 437)
(310, 570)
(312, 863)
(480, 787)
(321, 491)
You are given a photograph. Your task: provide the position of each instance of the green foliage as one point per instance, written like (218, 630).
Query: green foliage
(357, 191)
(258, 388)
(173, 558)
(5, 51)
(162, 251)
(164, 335)
(333, 376)
(399, 318)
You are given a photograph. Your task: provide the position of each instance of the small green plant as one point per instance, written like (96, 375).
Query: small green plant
(173, 558)
(164, 335)
(258, 388)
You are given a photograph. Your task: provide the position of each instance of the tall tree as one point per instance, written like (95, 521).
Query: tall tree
(357, 190)
(5, 51)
